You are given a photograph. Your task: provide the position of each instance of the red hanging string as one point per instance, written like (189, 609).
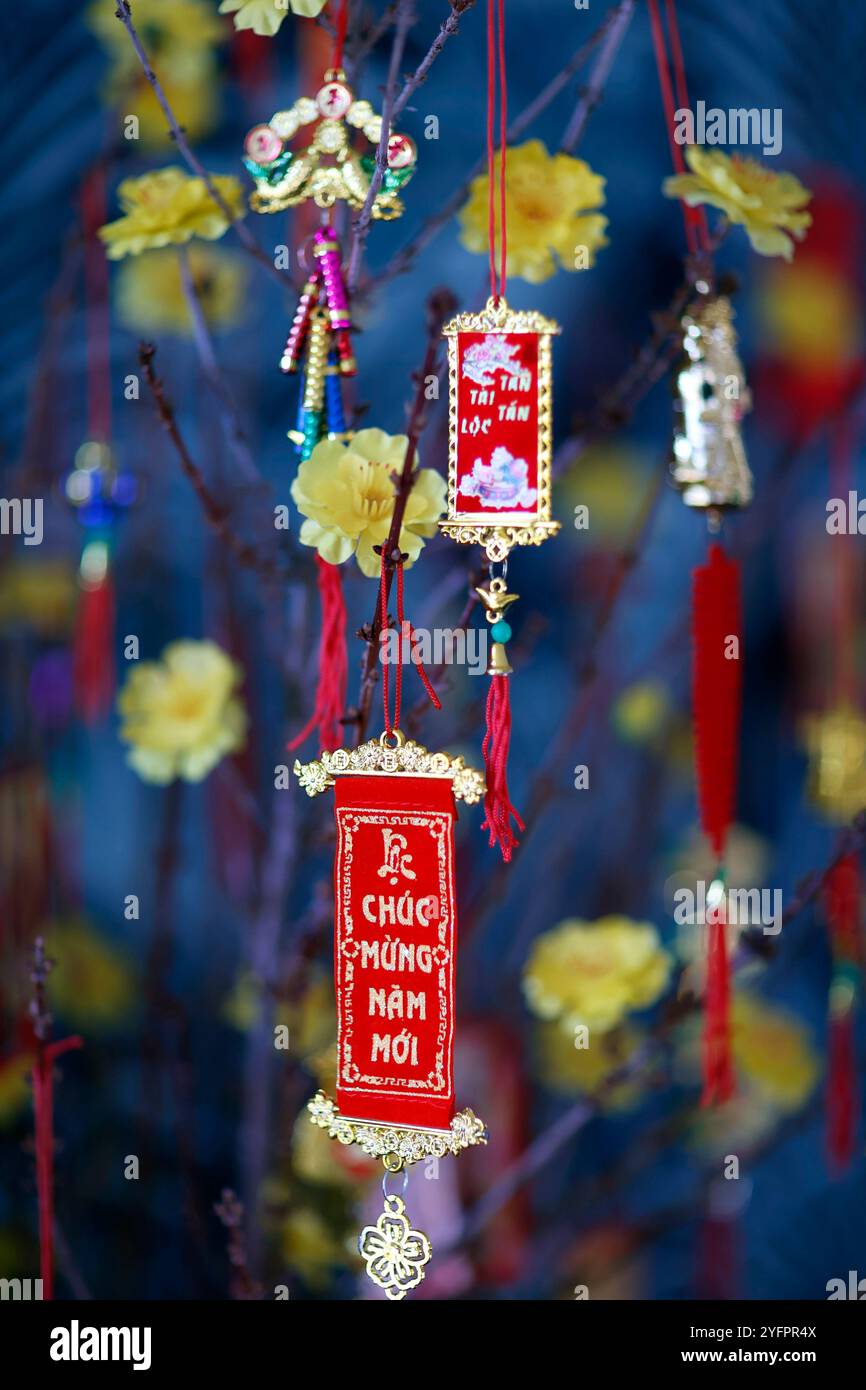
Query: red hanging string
(842, 890)
(43, 1111)
(404, 628)
(716, 704)
(697, 233)
(845, 554)
(496, 46)
(340, 24)
(330, 701)
(93, 215)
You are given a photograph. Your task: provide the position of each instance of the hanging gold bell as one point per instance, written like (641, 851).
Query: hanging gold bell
(709, 462)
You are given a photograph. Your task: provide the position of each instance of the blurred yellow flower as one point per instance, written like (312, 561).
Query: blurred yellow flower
(769, 206)
(586, 1070)
(550, 217)
(181, 38)
(15, 1089)
(181, 715)
(773, 1052)
(92, 983)
(346, 492)
(836, 743)
(150, 296)
(641, 711)
(169, 207)
(310, 1248)
(309, 1019)
(41, 594)
(317, 1159)
(810, 317)
(595, 973)
(264, 17)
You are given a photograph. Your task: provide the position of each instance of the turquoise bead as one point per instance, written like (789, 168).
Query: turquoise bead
(500, 632)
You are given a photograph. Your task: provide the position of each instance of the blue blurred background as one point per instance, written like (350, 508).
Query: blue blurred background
(623, 1189)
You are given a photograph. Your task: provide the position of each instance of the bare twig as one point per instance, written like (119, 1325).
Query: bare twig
(234, 430)
(361, 227)
(619, 22)
(231, 1213)
(215, 514)
(405, 258)
(242, 232)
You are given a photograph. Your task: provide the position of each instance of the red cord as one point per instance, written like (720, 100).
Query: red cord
(93, 215)
(402, 626)
(340, 35)
(496, 12)
(697, 234)
(841, 482)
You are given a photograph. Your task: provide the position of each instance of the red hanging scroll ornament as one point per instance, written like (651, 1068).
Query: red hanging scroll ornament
(325, 168)
(709, 467)
(499, 456)
(395, 941)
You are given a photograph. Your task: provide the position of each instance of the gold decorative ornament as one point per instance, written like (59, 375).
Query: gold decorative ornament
(392, 759)
(329, 169)
(500, 499)
(406, 1146)
(394, 1253)
(709, 461)
(497, 600)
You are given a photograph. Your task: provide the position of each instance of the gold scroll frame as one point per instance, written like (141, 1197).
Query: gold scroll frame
(499, 536)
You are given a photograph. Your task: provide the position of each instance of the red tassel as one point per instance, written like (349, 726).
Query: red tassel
(330, 701)
(499, 812)
(841, 1095)
(718, 1062)
(716, 692)
(842, 906)
(716, 703)
(93, 671)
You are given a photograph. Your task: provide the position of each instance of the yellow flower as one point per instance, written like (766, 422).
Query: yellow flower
(641, 711)
(317, 1159)
(588, 1070)
(548, 213)
(595, 973)
(92, 982)
(181, 715)
(769, 206)
(150, 296)
(181, 37)
(309, 1247)
(41, 594)
(773, 1053)
(264, 17)
(346, 492)
(169, 207)
(810, 317)
(15, 1089)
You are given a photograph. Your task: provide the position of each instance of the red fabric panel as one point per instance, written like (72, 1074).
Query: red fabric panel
(497, 426)
(394, 948)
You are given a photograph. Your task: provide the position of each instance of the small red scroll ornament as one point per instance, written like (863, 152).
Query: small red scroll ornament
(394, 949)
(499, 365)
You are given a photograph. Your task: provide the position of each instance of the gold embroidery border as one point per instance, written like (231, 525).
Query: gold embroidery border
(407, 758)
(499, 535)
(387, 1141)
